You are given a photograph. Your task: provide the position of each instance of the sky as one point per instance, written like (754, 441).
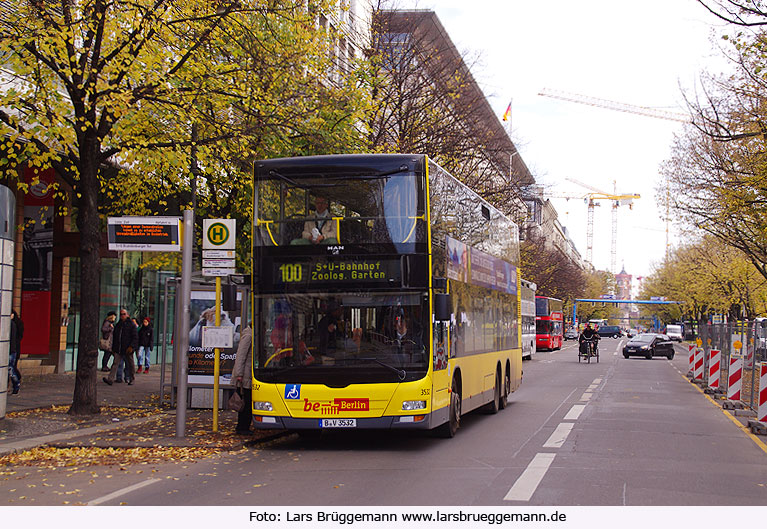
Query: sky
(640, 53)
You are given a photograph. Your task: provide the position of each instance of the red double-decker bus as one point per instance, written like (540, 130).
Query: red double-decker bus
(549, 323)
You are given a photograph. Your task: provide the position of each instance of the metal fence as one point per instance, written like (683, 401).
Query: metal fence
(747, 338)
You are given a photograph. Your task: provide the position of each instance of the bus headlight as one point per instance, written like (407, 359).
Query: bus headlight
(262, 406)
(414, 405)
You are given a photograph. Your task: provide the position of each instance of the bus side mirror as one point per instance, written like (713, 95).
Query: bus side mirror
(443, 307)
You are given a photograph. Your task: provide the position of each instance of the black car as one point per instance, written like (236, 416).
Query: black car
(610, 331)
(649, 345)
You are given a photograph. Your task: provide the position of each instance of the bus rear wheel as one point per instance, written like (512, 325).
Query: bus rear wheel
(493, 406)
(506, 390)
(454, 420)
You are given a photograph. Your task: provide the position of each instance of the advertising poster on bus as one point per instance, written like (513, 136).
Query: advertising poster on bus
(201, 360)
(457, 260)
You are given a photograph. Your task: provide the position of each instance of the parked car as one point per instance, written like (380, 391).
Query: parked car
(612, 331)
(571, 334)
(649, 345)
(674, 332)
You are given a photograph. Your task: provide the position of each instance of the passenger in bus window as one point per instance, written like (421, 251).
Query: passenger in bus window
(321, 229)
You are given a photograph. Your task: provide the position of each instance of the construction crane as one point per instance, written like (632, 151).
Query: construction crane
(615, 105)
(617, 199)
(631, 109)
(591, 199)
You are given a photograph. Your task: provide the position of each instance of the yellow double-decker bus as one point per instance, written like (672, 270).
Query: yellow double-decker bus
(386, 295)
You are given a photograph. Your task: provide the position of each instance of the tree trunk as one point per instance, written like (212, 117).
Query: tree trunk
(85, 401)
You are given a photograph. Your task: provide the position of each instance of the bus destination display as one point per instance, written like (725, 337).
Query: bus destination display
(382, 271)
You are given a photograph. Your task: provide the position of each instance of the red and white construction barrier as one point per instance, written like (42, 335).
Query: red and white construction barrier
(734, 377)
(761, 412)
(698, 368)
(714, 366)
(690, 357)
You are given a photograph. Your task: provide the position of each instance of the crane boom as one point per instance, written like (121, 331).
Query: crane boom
(615, 105)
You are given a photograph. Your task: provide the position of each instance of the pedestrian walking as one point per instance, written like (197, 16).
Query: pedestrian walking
(145, 340)
(17, 333)
(242, 373)
(105, 342)
(124, 343)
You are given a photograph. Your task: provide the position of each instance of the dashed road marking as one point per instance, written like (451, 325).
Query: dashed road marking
(559, 436)
(586, 397)
(597, 380)
(525, 486)
(120, 492)
(575, 412)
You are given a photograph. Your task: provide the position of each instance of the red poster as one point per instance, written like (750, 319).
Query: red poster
(37, 262)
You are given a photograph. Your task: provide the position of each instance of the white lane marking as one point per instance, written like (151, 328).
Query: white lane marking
(126, 490)
(597, 380)
(543, 424)
(575, 412)
(615, 353)
(586, 397)
(593, 387)
(559, 436)
(524, 488)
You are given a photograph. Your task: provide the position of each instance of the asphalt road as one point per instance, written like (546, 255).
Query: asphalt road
(620, 432)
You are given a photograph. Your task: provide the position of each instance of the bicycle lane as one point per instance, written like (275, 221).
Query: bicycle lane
(648, 437)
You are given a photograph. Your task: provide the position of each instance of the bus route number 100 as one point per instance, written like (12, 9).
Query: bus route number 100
(291, 273)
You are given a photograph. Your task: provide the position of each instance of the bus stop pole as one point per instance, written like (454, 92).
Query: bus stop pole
(184, 312)
(216, 357)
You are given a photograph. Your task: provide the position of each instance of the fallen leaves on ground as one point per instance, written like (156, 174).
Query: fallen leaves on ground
(151, 441)
(54, 457)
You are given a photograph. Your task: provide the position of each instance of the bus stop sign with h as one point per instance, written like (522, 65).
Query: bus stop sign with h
(218, 246)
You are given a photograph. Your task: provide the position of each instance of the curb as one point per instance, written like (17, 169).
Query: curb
(32, 442)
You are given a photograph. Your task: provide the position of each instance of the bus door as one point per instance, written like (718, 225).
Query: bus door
(440, 374)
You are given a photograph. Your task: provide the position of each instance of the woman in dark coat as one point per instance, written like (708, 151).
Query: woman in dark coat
(17, 333)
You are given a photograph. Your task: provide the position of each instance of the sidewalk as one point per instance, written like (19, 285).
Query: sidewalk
(131, 417)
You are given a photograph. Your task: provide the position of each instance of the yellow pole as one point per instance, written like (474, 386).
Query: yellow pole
(217, 357)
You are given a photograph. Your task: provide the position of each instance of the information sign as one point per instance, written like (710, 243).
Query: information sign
(218, 337)
(218, 272)
(218, 254)
(218, 263)
(144, 234)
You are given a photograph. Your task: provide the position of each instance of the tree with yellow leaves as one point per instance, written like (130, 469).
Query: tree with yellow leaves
(137, 102)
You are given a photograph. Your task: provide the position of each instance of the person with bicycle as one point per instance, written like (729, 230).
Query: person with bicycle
(588, 335)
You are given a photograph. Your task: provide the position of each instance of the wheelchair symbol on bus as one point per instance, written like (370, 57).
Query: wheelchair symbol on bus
(293, 391)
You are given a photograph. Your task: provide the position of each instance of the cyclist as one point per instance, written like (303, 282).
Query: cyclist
(588, 334)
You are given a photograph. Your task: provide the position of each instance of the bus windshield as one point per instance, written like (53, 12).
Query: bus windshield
(343, 339)
(358, 209)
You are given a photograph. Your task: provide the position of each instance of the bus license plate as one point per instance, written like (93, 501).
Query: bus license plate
(338, 423)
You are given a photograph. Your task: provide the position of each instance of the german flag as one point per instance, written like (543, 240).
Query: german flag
(507, 114)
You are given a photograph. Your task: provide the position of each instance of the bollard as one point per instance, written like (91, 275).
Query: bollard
(714, 366)
(691, 357)
(761, 413)
(734, 378)
(698, 371)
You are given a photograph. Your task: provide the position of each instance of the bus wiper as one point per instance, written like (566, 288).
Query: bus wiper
(401, 373)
